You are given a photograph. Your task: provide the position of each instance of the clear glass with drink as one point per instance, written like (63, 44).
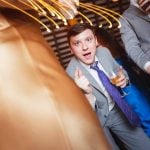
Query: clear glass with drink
(114, 79)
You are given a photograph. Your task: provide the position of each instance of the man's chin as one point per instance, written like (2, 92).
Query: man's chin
(88, 62)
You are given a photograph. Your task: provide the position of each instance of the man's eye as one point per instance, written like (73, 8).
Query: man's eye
(76, 43)
(89, 39)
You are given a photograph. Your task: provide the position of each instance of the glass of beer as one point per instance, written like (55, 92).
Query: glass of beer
(114, 80)
(113, 77)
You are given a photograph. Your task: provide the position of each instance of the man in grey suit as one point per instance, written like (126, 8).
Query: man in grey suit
(135, 32)
(83, 44)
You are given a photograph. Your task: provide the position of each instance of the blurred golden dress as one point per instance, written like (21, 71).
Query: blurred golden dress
(40, 106)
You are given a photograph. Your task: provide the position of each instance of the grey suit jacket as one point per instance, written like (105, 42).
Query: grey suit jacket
(108, 62)
(135, 33)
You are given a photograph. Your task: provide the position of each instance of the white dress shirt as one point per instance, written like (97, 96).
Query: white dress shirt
(111, 103)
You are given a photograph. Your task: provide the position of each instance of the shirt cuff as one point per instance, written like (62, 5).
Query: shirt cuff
(147, 64)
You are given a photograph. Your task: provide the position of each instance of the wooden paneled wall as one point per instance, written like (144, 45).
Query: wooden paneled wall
(58, 40)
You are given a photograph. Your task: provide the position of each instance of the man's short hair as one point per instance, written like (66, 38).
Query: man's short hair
(78, 28)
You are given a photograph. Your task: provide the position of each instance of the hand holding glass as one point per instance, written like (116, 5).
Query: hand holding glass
(115, 79)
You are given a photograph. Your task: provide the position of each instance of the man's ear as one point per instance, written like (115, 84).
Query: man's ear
(97, 44)
(71, 50)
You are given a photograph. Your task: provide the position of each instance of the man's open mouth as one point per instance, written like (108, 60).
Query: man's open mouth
(87, 55)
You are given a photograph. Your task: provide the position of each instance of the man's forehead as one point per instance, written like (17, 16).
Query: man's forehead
(83, 35)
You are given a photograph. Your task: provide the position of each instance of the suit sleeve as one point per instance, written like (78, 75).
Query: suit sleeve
(132, 44)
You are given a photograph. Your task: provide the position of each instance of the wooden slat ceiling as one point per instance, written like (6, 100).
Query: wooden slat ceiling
(57, 38)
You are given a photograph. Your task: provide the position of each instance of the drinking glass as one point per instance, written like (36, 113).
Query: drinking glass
(114, 80)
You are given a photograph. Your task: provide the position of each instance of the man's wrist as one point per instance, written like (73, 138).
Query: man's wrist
(89, 95)
(92, 99)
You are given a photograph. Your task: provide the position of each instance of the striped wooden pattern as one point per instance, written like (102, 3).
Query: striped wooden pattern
(58, 40)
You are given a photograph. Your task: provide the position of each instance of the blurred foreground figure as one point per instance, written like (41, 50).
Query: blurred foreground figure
(40, 107)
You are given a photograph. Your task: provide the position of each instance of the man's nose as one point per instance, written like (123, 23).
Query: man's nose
(84, 46)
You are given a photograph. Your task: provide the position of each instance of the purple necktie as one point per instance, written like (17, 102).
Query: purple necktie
(116, 96)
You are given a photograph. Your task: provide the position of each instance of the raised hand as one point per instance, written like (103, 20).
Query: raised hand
(84, 84)
(82, 81)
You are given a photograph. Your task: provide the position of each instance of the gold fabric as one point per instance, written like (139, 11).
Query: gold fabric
(40, 106)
